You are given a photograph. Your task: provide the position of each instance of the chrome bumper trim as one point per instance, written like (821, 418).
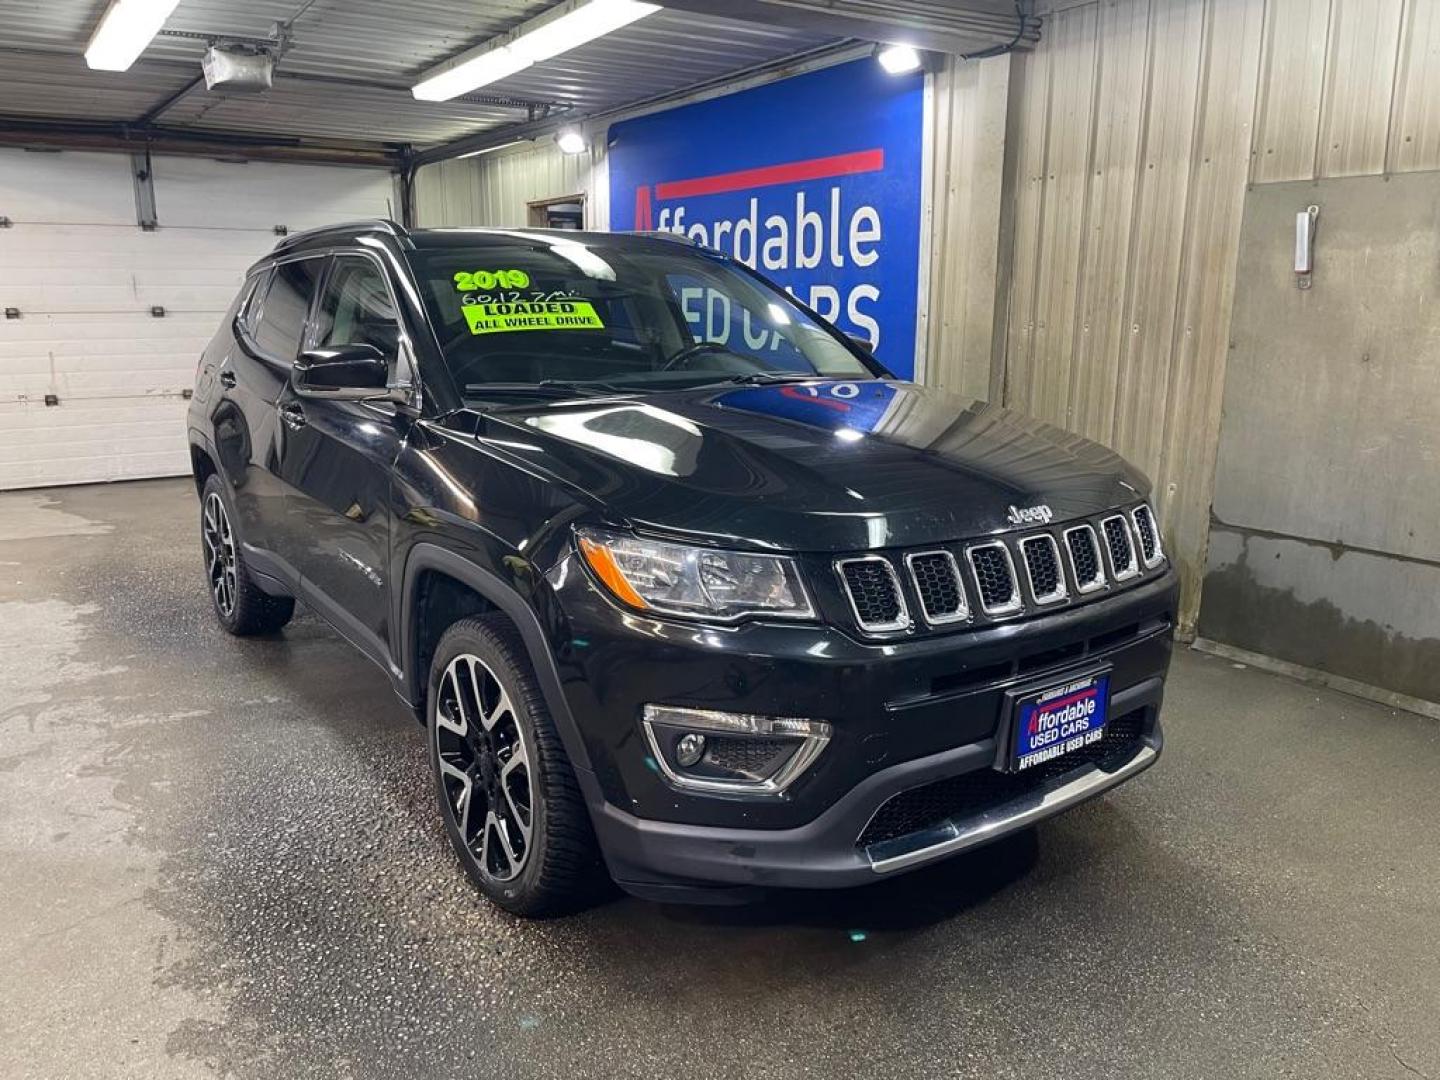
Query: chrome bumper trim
(951, 836)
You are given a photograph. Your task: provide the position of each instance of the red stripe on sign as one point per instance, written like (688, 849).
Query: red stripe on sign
(792, 172)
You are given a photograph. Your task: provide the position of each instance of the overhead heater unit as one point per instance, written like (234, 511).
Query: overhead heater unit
(232, 70)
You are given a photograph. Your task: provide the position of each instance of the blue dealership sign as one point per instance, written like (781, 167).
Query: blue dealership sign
(814, 181)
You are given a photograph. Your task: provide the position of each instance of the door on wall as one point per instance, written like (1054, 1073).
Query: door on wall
(1325, 537)
(105, 321)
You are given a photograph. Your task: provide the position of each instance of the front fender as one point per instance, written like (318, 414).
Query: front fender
(425, 556)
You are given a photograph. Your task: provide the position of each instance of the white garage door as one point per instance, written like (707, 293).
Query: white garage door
(91, 380)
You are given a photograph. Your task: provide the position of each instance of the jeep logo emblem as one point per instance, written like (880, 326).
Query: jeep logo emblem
(1031, 515)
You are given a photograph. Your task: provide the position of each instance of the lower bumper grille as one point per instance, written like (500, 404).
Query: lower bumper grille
(973, 792)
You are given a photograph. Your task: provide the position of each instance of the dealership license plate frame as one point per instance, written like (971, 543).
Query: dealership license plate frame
(1014, 712)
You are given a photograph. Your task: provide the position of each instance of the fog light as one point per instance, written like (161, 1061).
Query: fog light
(689, 749)
(736, 753)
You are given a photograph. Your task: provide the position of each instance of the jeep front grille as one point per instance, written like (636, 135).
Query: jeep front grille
(1149, 535)
(1032, 572)
(994, 578)
(874, 592)
(1122, 551)
(1084, 552)
(937, 584)
(1042, 569)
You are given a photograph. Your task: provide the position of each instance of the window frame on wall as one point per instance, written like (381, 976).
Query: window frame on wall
(541, 206)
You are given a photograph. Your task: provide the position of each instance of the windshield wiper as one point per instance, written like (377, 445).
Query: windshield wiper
(544, 388)
(764, 378)
(589, 388)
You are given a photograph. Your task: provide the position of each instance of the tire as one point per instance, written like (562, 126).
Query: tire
(527, 844)
(241, 607)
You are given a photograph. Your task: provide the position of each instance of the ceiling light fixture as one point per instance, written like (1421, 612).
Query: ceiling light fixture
(570, 25)
(898, 59)
(488, 149)
(571, 141)
(124, 31)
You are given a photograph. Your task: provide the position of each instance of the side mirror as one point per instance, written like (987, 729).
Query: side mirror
(863, 342)
(349, 372)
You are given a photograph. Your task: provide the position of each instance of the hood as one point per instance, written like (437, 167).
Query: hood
(818, 466)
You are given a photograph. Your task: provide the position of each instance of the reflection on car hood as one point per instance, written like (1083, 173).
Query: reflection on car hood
(818, 466)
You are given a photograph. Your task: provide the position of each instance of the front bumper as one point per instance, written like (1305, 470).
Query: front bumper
(653, 856)
(904, 715)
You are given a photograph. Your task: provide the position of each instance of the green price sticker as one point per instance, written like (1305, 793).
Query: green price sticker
(480, 280)
(524, 315)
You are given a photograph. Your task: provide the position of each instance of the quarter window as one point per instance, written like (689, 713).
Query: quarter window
(253, 295)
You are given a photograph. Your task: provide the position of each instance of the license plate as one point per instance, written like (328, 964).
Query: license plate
(1059, 720)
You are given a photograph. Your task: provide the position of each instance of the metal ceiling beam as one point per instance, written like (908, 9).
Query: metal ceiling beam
(531, 107)
(958, 27)
(131, 138)
(164, 104)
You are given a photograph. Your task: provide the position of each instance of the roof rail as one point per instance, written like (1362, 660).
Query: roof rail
(384, 225)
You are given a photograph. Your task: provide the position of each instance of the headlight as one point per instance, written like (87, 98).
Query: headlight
(678, 579)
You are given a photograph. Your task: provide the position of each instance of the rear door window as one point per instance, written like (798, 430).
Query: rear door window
(286, 304)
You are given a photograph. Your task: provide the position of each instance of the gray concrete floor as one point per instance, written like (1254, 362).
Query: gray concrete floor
(220, 857)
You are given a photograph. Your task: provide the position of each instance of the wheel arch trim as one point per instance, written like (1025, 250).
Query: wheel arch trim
(427, 556)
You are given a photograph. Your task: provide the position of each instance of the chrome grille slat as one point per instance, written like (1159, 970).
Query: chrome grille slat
(938, 584)
(873, 589)
(1043, 573)
(1120, 547)
(1149, 533)
(995, 581)
(1085, 562)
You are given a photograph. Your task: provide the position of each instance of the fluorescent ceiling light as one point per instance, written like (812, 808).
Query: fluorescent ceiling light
(479, 71)
(536, 41)
(488, 149)
(128, 26)
(570, 141)
(898, 59)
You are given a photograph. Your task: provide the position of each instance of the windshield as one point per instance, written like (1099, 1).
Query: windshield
(534, 310)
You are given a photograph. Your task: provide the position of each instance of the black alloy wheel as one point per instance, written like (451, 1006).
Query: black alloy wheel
(219, 541)
(485, 767)
(511, 804)
(241, 606)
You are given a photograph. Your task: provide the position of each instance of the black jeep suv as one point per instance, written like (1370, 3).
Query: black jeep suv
(682, 583)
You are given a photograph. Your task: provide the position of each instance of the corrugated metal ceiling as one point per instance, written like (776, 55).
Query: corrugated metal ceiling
(378, 44)
(39, 85)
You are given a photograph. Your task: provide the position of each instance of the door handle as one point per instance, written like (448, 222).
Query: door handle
(227, 380)
(293, 416)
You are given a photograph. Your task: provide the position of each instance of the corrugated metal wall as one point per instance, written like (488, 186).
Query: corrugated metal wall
(1130, 149)
(496, 188)
(965, 144)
